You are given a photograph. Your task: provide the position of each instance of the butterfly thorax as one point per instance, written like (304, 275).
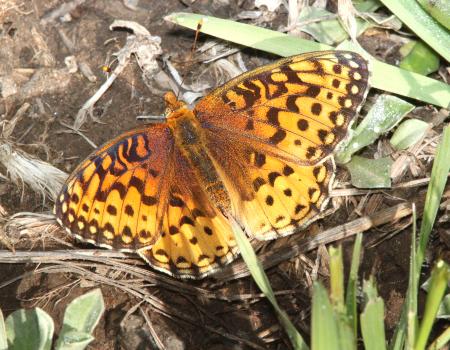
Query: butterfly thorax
(191, 140)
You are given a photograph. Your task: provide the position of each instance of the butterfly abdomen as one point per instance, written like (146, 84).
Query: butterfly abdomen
(191, 141)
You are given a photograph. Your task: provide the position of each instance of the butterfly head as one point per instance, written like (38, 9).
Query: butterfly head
(174, 107)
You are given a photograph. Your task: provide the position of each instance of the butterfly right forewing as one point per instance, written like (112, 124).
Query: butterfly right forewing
(297, 108)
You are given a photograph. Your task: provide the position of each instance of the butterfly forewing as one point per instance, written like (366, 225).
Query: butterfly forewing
(115, 198)
(299, 108)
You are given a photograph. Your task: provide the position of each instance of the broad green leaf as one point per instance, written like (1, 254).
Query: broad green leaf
(74, 340)
(367, 5)
(372, 318)
(261, 279)
(370, 173)
(324, 30)
(84, 312)
(324, 328)
(399, 81)
(421, 23)
(439, 279)
(420, 58)
(438, 9)
(408, 133)
(386, 112)
(29, 329)
(3, 342)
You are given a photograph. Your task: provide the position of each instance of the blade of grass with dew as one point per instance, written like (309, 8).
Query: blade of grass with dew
(372, 318)
(421, 23)
(261, 279)
(324, 329)
(439, 173)
(438, 9)
(439, 278)
(352, 285)
(400, 81)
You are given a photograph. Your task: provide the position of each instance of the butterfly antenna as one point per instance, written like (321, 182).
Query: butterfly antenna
(197, 33)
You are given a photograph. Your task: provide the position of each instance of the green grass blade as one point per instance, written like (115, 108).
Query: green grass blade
(336, 278)
(441, 168)
(413, 289)
(441, 340)
(261, 279)
(439, 278)
(420, 22)
(400, 81)
(372, 318)
(439, 173)
(352, 285)
(438, 9)
(3, 342)
(324, 328)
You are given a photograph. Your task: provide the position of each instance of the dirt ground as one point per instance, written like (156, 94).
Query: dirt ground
(32, 48)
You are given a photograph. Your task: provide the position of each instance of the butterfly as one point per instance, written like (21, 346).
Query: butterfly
(257, 149)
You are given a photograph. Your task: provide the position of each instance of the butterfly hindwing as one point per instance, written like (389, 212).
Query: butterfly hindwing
(196, 237)
(272, 197)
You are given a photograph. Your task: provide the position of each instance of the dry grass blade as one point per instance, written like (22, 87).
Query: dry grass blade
(274, 257)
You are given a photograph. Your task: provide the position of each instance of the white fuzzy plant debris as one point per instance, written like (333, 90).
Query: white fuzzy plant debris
(23, 168)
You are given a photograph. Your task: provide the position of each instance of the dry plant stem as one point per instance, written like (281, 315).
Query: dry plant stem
(341, 192)
(230, 272)
(89, 104)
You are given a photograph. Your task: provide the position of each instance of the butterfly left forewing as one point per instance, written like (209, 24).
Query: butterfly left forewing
(114, 198)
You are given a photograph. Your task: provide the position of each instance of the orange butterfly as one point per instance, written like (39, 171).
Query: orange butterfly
(258, 149)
